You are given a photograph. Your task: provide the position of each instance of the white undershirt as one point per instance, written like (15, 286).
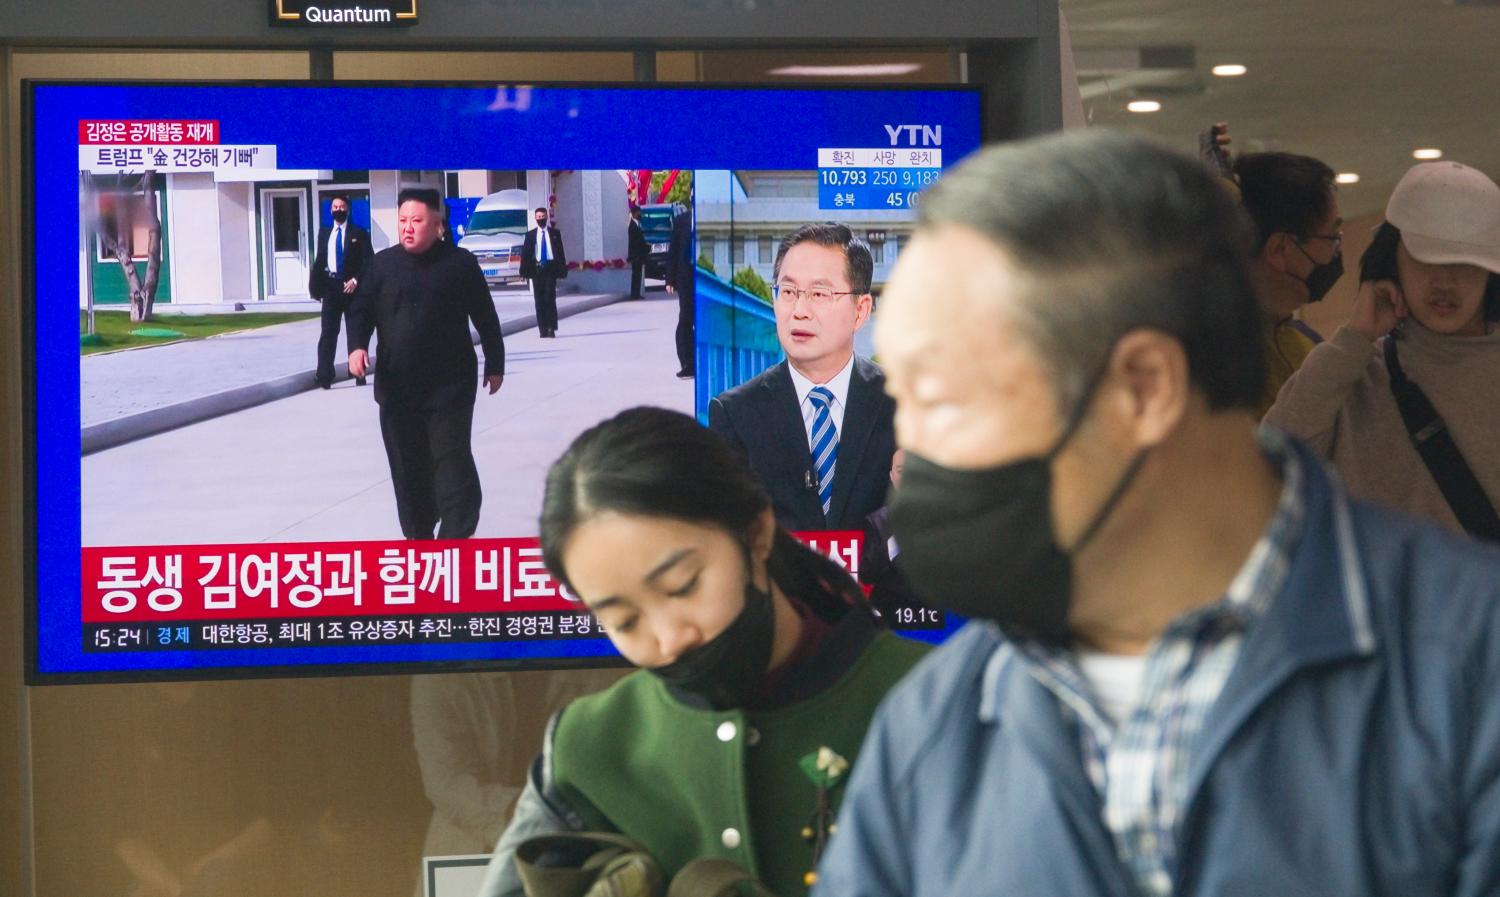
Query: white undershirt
(1114, 679)
(839, 386)
(542, 236)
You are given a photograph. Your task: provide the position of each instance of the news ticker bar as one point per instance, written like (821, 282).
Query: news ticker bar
(199, 635)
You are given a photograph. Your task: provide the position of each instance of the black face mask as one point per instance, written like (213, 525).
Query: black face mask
(980, 542)
(1323, 276)
(340, 216)
(727, 670)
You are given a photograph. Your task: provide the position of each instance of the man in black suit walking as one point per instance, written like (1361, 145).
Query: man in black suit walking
(638, 252)
(544, 264)
(682, 267)
(419, 297)
(818, 428)
(343, 252)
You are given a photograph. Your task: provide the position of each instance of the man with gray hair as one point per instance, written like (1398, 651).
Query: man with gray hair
(1195, 666)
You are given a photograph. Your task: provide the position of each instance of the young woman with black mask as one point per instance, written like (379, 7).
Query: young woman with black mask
(760, 662)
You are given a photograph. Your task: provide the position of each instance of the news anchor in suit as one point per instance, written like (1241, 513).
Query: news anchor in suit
(343, 253)
(818, 428)
(420, 298)
(544, 264)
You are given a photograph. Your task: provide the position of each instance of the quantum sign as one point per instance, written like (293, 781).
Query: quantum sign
(319, 13)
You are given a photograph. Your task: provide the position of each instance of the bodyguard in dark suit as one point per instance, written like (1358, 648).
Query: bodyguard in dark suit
(637, 253)
(682, 267)
(818, 428)
(544, 264)
(419, 298)
(344, 251)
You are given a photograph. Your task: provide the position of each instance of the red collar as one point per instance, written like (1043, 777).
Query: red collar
(814, 632)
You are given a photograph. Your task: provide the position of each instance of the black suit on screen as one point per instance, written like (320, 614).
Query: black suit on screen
(682, 270)
(762, 420)
(637, 254)
(329, 289)
(544, 278)
(427, 377)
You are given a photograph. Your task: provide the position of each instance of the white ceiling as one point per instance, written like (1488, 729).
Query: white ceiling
(1356, 83)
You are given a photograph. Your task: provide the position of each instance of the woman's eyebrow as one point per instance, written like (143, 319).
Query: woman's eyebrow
(668, 563)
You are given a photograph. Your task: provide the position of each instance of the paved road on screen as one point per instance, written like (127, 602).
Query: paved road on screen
(312, 466)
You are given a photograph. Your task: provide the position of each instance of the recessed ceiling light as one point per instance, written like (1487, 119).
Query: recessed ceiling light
(1427, 154)
(1143, 106)
(1229, 71)
(1346, 177)
(877, 70)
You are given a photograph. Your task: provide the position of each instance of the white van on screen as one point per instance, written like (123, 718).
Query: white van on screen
(494, 233)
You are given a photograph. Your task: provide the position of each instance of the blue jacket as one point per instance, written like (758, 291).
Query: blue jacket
(1354, 750)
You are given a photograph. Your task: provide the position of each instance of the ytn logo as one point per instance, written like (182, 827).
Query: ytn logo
(916, 135)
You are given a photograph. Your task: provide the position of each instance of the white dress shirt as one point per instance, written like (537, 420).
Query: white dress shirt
(543, 236)
(839, 386)
(333, 253)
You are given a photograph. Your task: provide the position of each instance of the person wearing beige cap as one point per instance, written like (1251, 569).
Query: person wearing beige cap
(1405, 398)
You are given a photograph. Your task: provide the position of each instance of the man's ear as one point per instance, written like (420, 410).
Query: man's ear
(1277, 251)
(1151, 367)
(864, 306)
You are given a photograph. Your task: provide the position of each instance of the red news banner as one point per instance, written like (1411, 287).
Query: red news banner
(153, 133)
(186, 597)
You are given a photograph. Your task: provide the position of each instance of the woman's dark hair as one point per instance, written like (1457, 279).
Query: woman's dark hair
(658, 463)
(1379, 263)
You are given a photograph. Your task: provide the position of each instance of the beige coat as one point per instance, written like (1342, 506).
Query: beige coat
(1340, 403)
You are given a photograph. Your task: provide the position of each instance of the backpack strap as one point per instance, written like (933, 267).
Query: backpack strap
(713, 877)
(1430, 436)
(587, 864)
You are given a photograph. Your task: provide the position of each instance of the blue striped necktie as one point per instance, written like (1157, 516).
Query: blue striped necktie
(825, 443)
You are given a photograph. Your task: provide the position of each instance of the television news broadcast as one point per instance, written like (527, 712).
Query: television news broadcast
(214, 494)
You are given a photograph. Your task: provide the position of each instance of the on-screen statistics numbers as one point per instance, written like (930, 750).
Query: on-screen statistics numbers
(878, 177)
(872, 188)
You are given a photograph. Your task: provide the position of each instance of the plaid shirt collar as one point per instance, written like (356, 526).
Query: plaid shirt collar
(1250, 594)
(1140, 768)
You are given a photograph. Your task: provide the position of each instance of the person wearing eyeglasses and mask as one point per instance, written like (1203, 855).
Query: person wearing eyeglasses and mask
(1294, 205)
(816, 428)
(758, 656)
(1194, 666)
(1405, 398)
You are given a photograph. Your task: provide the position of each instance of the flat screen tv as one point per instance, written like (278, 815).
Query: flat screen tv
(200, 508)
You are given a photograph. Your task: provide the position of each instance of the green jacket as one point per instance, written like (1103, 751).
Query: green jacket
(687, 781)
